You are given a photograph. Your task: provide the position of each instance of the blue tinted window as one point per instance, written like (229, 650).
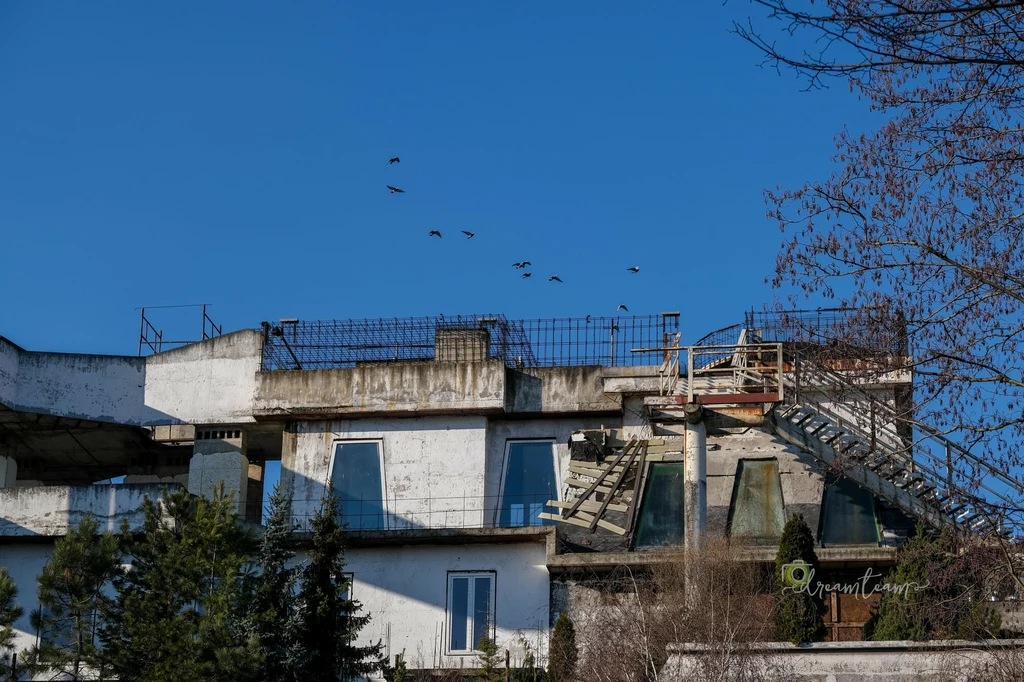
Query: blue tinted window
(470, 609)
(356, 475)
(529, 484)
(460, 614)
(481, 609)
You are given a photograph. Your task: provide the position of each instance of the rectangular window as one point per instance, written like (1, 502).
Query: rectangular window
(470, 610)
(662, 509)
(60, 632)
(757, 513)
(529, 481)
(848, 515)
(357, 472)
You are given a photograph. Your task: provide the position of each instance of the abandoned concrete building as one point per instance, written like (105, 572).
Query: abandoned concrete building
(487, 467)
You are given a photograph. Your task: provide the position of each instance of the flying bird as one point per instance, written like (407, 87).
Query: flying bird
(521, 264)
(527, 275)
(395, 189)
(469, 235)
(635, 269)
(554, 278)
(394, 159)
(434, 233)
(622, 307)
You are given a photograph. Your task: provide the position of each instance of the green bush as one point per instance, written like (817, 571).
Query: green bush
(562, 653)
(798, 615)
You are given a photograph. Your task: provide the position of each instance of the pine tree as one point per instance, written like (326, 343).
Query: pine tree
(169, 619)
(489, 669)
(328, 622)
(563, 653)
(798, 613)
(72, 601)
(9, 613)
(267, 606)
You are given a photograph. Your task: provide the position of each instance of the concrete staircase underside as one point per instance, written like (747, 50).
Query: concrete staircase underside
(886, 472)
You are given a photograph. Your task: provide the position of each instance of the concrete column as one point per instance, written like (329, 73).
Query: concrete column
(696, 490)
(219, 457)
(8, 472)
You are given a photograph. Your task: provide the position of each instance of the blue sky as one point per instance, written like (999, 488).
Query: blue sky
(235, 154)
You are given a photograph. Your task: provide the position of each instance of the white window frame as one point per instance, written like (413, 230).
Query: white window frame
(470, 625)
(350, 578)
(504, 474)
(332, 456)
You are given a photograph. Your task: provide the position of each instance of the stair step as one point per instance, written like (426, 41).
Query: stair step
(813, 430)
(783, 411)
(800, 417)
(924, 490)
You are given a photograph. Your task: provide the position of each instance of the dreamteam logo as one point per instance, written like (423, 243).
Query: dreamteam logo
(798, 576)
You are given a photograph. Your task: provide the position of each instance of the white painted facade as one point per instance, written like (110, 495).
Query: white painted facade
(439, 472)
(50, 511)
(405, 591)
(206, 383)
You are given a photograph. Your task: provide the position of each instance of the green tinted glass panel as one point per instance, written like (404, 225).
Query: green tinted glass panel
(848, 517)
(757, 513)
(661, 512)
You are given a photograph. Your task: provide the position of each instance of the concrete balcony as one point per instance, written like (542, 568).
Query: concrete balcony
(49, 511)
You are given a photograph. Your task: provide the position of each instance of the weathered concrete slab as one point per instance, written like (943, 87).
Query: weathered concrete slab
(209, 382)
(394, 388)
(51, 510)
(859, 661)
(555, 390)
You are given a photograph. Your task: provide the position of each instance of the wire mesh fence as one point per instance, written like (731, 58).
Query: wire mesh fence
(867, 330)
(606, 341)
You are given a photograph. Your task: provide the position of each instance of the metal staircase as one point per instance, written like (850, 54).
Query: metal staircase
(918, 470)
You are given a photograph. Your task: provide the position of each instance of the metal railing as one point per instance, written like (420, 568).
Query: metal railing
(756, 369)
(434, 513)
(152, 338)
(956, 473)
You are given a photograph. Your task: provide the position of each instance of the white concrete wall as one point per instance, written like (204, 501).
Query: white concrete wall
(213, 382)
(204, 383)
(404, 590)
(434, 467)
(51, 510)
(439, 472)
(100, 387)
(24, 562)
(940, 661)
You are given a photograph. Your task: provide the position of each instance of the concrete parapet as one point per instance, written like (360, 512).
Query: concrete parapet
(51, 510)
(854, 661)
